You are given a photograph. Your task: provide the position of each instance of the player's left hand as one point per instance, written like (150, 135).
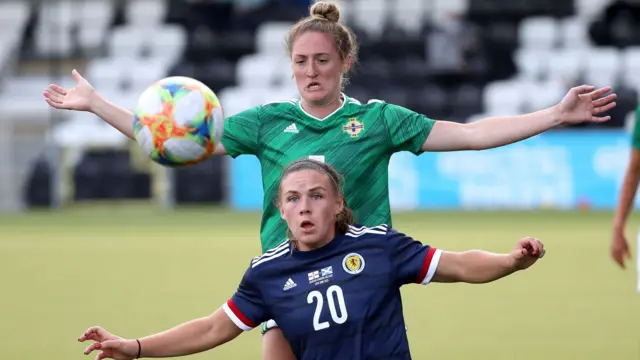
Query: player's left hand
(527, 251)
(583, 103)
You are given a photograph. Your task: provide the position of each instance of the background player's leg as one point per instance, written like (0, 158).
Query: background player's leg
(275, 346)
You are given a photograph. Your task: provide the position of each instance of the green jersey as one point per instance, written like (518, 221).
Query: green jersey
(635, 139)
(357, 139)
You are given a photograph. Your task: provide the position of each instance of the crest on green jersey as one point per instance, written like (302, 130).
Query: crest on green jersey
(353, 127)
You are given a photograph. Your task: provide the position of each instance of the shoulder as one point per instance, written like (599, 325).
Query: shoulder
(368, 105)
(279, 105)
(271, 259)
(360, 231)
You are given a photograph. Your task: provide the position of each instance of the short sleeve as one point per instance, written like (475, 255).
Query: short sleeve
(408, 130)
(635, 139)
(240, 134)
(246, 308)
(412, 261)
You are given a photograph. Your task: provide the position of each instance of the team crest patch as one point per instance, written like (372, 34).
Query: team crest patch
(353, 263)
(353, 127)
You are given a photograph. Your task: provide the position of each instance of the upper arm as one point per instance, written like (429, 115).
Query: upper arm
(223, 329)
(240, 134)
(412, 262)
(246, 308)
(408, 129)
(450, 268)
(449, 136)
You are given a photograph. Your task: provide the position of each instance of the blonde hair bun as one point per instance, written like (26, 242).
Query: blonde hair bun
(325, 10)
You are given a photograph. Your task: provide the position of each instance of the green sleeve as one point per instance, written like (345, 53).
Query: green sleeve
(408, 130)
(635, 140)
(240, 134)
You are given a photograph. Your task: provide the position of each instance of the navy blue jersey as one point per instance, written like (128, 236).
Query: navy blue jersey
(341, 301)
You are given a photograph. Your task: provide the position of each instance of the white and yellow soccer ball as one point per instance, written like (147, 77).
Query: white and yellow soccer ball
(178, 121)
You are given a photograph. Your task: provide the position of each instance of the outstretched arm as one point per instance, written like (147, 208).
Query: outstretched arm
(83, 97)
(477, 267)
(188, 338)
(581, 104)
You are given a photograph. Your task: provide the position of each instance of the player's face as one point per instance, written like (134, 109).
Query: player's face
(309, 205)
(317, 67)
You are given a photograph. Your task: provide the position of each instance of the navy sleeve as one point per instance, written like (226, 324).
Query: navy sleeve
(412, 262)
(246, 308)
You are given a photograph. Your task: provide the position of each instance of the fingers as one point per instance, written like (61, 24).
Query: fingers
(605, 100)
(94, 333)
(76, 75)
(90, 348)
(53, 96)
(582, 89)
(596, 94)
(532, 247)
(59, 89)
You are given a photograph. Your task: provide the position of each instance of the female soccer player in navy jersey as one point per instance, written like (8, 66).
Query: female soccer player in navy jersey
(333, 288)
(356, 138)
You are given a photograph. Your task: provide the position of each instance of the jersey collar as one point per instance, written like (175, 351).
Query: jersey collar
(343, 97)
(335, 243)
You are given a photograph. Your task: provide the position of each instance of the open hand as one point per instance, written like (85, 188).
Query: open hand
(527, 251)
(76, 98)
(620, 248)
(583, 103)
(109, 346)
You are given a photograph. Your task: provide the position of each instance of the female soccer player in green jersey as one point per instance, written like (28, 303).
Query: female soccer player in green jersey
(619, 244)
(356, 138)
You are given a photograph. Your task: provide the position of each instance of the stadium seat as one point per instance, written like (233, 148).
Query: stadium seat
(271, 38)
(542, 94)
(370, 16)
(408, 15)
(574, 33)
(145, 72)
(13, 20)
(566, 64)
(538, 32)
(145, 13)
(256, 70)
(532, 63)
(107, 73)
(441, 11)
(602, 66)
(127, 41)
(589, 9)
(169, 42)
(237, 99)
(504, 95)
(53, 31)
(94, 23)
(630, 67)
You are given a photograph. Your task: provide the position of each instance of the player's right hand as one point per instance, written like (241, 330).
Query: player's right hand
(620, 248)
(76, 98)
(109, 346)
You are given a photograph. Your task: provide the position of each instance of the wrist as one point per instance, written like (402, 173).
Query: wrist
(555, 116)
(96, 102)
(510, 263)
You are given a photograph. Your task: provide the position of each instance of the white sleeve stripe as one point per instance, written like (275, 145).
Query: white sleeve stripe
(273, 250)
(432, 267)
(270, 257)
(234, 318)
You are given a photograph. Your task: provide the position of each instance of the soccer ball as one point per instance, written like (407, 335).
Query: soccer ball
(178, 121)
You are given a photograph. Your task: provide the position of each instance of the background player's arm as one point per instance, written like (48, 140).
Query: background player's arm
(619, 244)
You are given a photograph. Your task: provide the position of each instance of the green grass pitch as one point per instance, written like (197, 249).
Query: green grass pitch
(136, 270)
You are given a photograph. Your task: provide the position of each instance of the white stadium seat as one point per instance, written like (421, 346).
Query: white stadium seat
(538, 32)
(145, 13)
(271, 37)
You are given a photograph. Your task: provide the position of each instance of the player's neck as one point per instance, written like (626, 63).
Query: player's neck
(322, 109)
(316, 245)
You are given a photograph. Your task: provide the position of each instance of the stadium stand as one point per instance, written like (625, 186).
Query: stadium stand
(512, 56)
